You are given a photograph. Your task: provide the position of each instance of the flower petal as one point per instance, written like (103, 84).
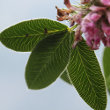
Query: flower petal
(97, 8)
(105, 28)
(108, 15)
(105, 2)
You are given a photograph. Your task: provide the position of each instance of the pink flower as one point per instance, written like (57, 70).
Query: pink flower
(67, 3)
(97, 8)
(105, 28)
(95, 17)
(95, 27)
(69, 6)
(108, 15)
(76, 19)
(87, 23)
(85, 1)
(105, 2)
(108, 41)
(78, 36)
(93, 21)
(90, 30)
(93, 38)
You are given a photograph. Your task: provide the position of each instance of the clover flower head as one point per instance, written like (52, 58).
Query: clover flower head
(92, 19)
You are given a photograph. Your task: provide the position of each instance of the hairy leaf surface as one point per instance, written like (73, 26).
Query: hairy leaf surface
(25, 35)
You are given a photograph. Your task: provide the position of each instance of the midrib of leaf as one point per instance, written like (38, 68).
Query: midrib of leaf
(39, 34)
(86, 72)
(70, 40)
(69, 76)
(50, 57)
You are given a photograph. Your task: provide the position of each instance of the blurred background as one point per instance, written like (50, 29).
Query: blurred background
(14, 94)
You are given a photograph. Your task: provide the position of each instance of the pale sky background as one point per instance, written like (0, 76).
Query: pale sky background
(14, 94)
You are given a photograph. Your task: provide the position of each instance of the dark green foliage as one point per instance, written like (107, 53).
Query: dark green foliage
(53, 57)
(48, 60)
(65, 77)
(106, 66)
(25, 35)
(86, 76)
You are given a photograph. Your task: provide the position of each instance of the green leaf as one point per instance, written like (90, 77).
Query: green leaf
(85, 74)
(48, 60)
(106, 66)
(65, 77)
(25, 35)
